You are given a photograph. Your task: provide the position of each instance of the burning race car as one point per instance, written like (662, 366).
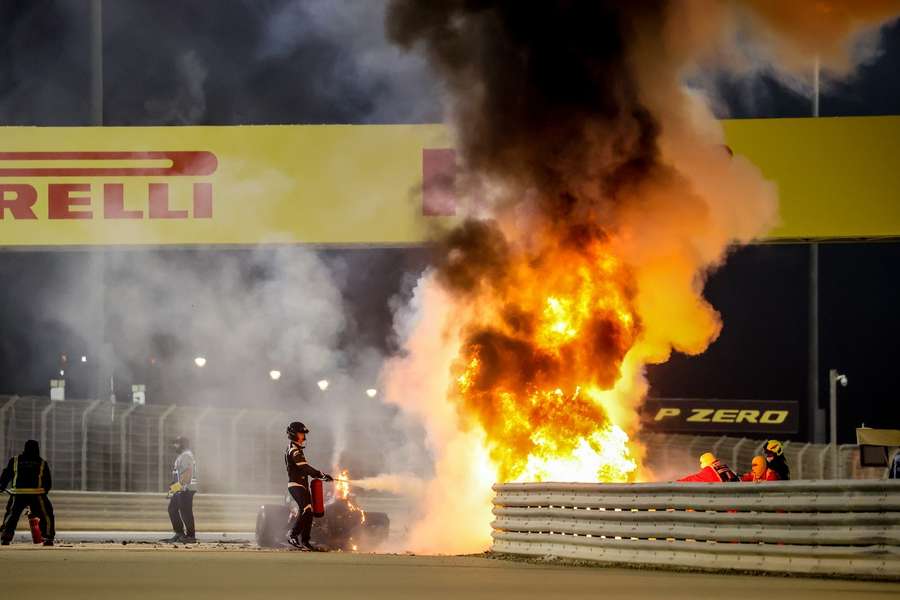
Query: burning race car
(345, 526)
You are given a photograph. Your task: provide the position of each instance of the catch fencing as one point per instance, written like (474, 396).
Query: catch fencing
(670, 456)
(844, 528)
(100, 446)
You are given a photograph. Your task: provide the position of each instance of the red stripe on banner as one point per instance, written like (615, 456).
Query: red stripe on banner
(184, 163)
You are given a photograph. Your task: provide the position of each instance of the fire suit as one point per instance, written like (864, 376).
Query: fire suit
(717, 472)
(299, 471)
(769, 475)
(29, 481)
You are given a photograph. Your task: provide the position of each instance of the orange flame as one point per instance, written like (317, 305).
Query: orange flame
(534, 368)
(342, 485)
(342, 492)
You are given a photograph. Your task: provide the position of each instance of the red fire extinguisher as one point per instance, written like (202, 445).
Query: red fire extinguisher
(318, 498)
(35, 524)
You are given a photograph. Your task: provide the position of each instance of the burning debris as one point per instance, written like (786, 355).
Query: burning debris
(344, 526)
(341, 496)
(600, 199)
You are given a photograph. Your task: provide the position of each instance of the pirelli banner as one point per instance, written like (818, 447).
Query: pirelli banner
(340, 185)
(746, 417)
(369, 185)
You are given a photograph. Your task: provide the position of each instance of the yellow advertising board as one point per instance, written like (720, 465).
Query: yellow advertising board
(330, 184)
(837, 177)
(363, 185)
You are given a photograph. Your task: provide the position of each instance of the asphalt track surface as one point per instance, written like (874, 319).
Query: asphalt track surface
(223, 571)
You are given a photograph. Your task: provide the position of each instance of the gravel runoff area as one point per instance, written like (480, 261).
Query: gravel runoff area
(227, 571)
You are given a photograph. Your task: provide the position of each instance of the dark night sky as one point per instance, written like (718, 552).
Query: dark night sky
(172, 62)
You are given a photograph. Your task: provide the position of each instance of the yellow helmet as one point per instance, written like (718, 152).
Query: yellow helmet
(706, 459)
(775, 447)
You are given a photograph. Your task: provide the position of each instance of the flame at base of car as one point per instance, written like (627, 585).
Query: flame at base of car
(342, 492)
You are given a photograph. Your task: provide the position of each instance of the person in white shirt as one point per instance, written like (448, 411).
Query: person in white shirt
(181, 493)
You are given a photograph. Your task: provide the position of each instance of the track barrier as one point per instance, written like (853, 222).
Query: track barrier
(845, 528)
(117, 511)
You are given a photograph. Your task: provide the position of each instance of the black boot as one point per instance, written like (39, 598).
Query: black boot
(313, 547)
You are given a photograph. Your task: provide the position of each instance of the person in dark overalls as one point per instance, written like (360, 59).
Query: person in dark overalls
(299, 472)
(28, 479)
(776, 460)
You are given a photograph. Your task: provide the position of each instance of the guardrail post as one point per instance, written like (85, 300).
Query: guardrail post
(3, 441)
(736, 451)
(840, 457)
(123, 447)
(197, 437)
(695, 439)
(198, 421)
(668, 442)
(800, 461)
(715, 448)
(235, 475)
(760, 449)
(84, 442)
(45, 448)
(278, 419)
(160, 447)
(825, 449)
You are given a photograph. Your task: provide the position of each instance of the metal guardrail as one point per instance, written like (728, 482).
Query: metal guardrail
(846, 528)
(116, 511)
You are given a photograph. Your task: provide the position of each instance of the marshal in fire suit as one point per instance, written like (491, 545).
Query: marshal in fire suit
(299, 471)
(28, 479)
(712, 470)
(759, 471)
(775, 460)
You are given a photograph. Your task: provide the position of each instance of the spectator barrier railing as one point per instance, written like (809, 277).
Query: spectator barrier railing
(844, 528)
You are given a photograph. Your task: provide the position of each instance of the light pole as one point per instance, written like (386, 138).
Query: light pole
(816, 416)
(833, 379)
